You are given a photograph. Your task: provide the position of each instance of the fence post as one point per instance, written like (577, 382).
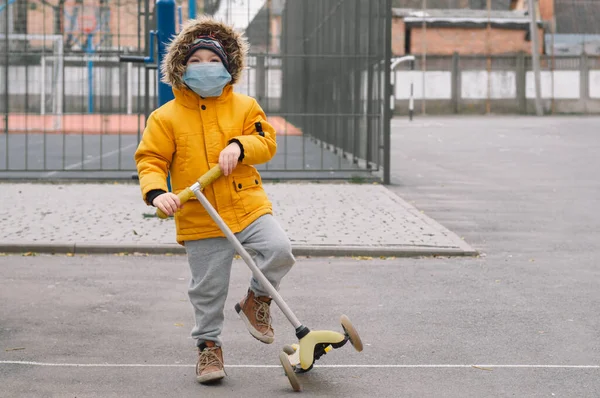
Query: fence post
(6, 75)
(521, 83)
(387, 114)
(260, 79)
(455, 82)
(584, 78)
(165, 11)
(165, 27)
(411, 99)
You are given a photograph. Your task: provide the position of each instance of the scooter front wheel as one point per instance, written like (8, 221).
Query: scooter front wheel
(351, 333)
(289, 371)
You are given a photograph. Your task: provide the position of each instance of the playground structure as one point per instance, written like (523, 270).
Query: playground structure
(87, 43)
(89, 28)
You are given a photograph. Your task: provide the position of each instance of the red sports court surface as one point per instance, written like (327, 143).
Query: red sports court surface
(110, 124)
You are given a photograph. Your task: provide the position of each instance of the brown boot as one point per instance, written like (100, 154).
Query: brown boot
(210, 363)
(255, 313)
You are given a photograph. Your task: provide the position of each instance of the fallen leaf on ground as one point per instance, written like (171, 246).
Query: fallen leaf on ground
(479, 367)
(15, 349)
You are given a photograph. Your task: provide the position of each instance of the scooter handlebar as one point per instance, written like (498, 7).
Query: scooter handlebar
(207, 178)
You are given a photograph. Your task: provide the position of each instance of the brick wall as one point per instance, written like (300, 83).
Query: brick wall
(546, 9)
(445, 41)
(398, 36)
(123, 19)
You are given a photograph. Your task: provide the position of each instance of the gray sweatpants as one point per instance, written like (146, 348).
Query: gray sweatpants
(210, 264)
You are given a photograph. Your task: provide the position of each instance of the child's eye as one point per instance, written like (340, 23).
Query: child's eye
(215, 60)
(193, 61)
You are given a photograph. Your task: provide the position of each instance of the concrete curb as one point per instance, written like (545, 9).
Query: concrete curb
(298, 250)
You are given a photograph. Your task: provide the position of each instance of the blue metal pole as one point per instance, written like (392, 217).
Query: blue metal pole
(192, 9)
(165, 31)
(165, 25)
(90, 50)
(3, 6)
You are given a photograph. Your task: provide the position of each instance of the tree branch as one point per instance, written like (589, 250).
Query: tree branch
(46, 3)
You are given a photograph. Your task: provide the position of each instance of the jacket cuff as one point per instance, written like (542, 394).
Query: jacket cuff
(241, 148)
(153, 194)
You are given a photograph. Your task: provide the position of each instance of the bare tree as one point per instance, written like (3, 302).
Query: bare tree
(58, 9)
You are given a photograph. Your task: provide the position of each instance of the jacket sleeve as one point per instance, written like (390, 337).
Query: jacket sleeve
(154, 155)
(257, 142)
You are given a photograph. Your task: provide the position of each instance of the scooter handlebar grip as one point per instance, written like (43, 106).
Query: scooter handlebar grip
(184, 196)
(208, 178)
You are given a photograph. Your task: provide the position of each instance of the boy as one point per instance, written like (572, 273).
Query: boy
(205, 125)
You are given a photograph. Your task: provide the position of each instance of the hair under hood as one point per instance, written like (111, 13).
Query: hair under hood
(235, 45)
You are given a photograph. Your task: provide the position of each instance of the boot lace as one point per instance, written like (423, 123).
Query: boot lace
(208, 357)
(263, 316)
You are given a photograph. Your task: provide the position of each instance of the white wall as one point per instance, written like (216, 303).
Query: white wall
(503, 84)
(566, 84)
(475, 84)
(438, 84)
(595, 84)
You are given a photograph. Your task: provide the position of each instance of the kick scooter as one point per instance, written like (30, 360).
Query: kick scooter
(296, 358)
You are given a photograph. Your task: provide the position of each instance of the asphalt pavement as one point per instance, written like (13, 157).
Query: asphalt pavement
(521, 319)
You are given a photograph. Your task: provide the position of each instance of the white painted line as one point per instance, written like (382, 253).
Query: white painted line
(439, 366)
(93, 159)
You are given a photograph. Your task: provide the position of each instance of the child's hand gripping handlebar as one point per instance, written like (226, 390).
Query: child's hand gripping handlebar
(208, 178)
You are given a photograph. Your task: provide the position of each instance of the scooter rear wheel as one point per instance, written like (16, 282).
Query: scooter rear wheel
(351, 333)
(289, 372)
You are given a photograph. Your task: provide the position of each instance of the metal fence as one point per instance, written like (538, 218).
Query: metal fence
(336, 57)
(71, 109)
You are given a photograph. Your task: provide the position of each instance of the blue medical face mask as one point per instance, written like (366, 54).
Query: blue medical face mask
(207, 79)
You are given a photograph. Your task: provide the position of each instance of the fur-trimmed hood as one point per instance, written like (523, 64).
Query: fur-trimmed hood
(234, 44)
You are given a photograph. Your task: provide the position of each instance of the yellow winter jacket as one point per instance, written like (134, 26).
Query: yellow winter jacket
(186, 136)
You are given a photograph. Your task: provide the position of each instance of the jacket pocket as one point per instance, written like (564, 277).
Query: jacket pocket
(248, 182)
(249, 192)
